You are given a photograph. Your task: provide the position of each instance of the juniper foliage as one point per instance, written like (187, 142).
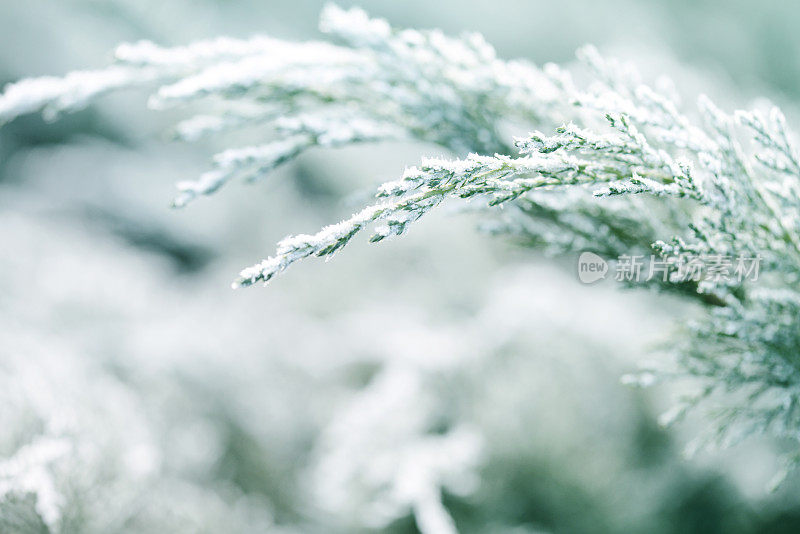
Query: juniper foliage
(626, 168)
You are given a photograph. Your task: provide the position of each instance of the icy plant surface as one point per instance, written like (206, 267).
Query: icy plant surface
(173, 420)
(615, 166)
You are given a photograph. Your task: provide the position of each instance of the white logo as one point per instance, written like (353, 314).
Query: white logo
(591, 267)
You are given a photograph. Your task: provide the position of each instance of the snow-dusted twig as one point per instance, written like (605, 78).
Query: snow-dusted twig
(625, 170)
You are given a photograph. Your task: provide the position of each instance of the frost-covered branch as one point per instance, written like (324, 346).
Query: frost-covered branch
(622, 168)
(384, 83)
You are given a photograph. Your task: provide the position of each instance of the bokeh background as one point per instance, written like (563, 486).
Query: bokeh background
(139, 393)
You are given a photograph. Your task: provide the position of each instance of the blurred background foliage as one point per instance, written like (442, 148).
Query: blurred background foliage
(235, 392)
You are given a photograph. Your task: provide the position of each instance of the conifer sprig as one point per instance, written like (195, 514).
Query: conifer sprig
(627, 169)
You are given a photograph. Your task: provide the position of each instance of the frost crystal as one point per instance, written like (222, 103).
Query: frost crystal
(624, 169)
